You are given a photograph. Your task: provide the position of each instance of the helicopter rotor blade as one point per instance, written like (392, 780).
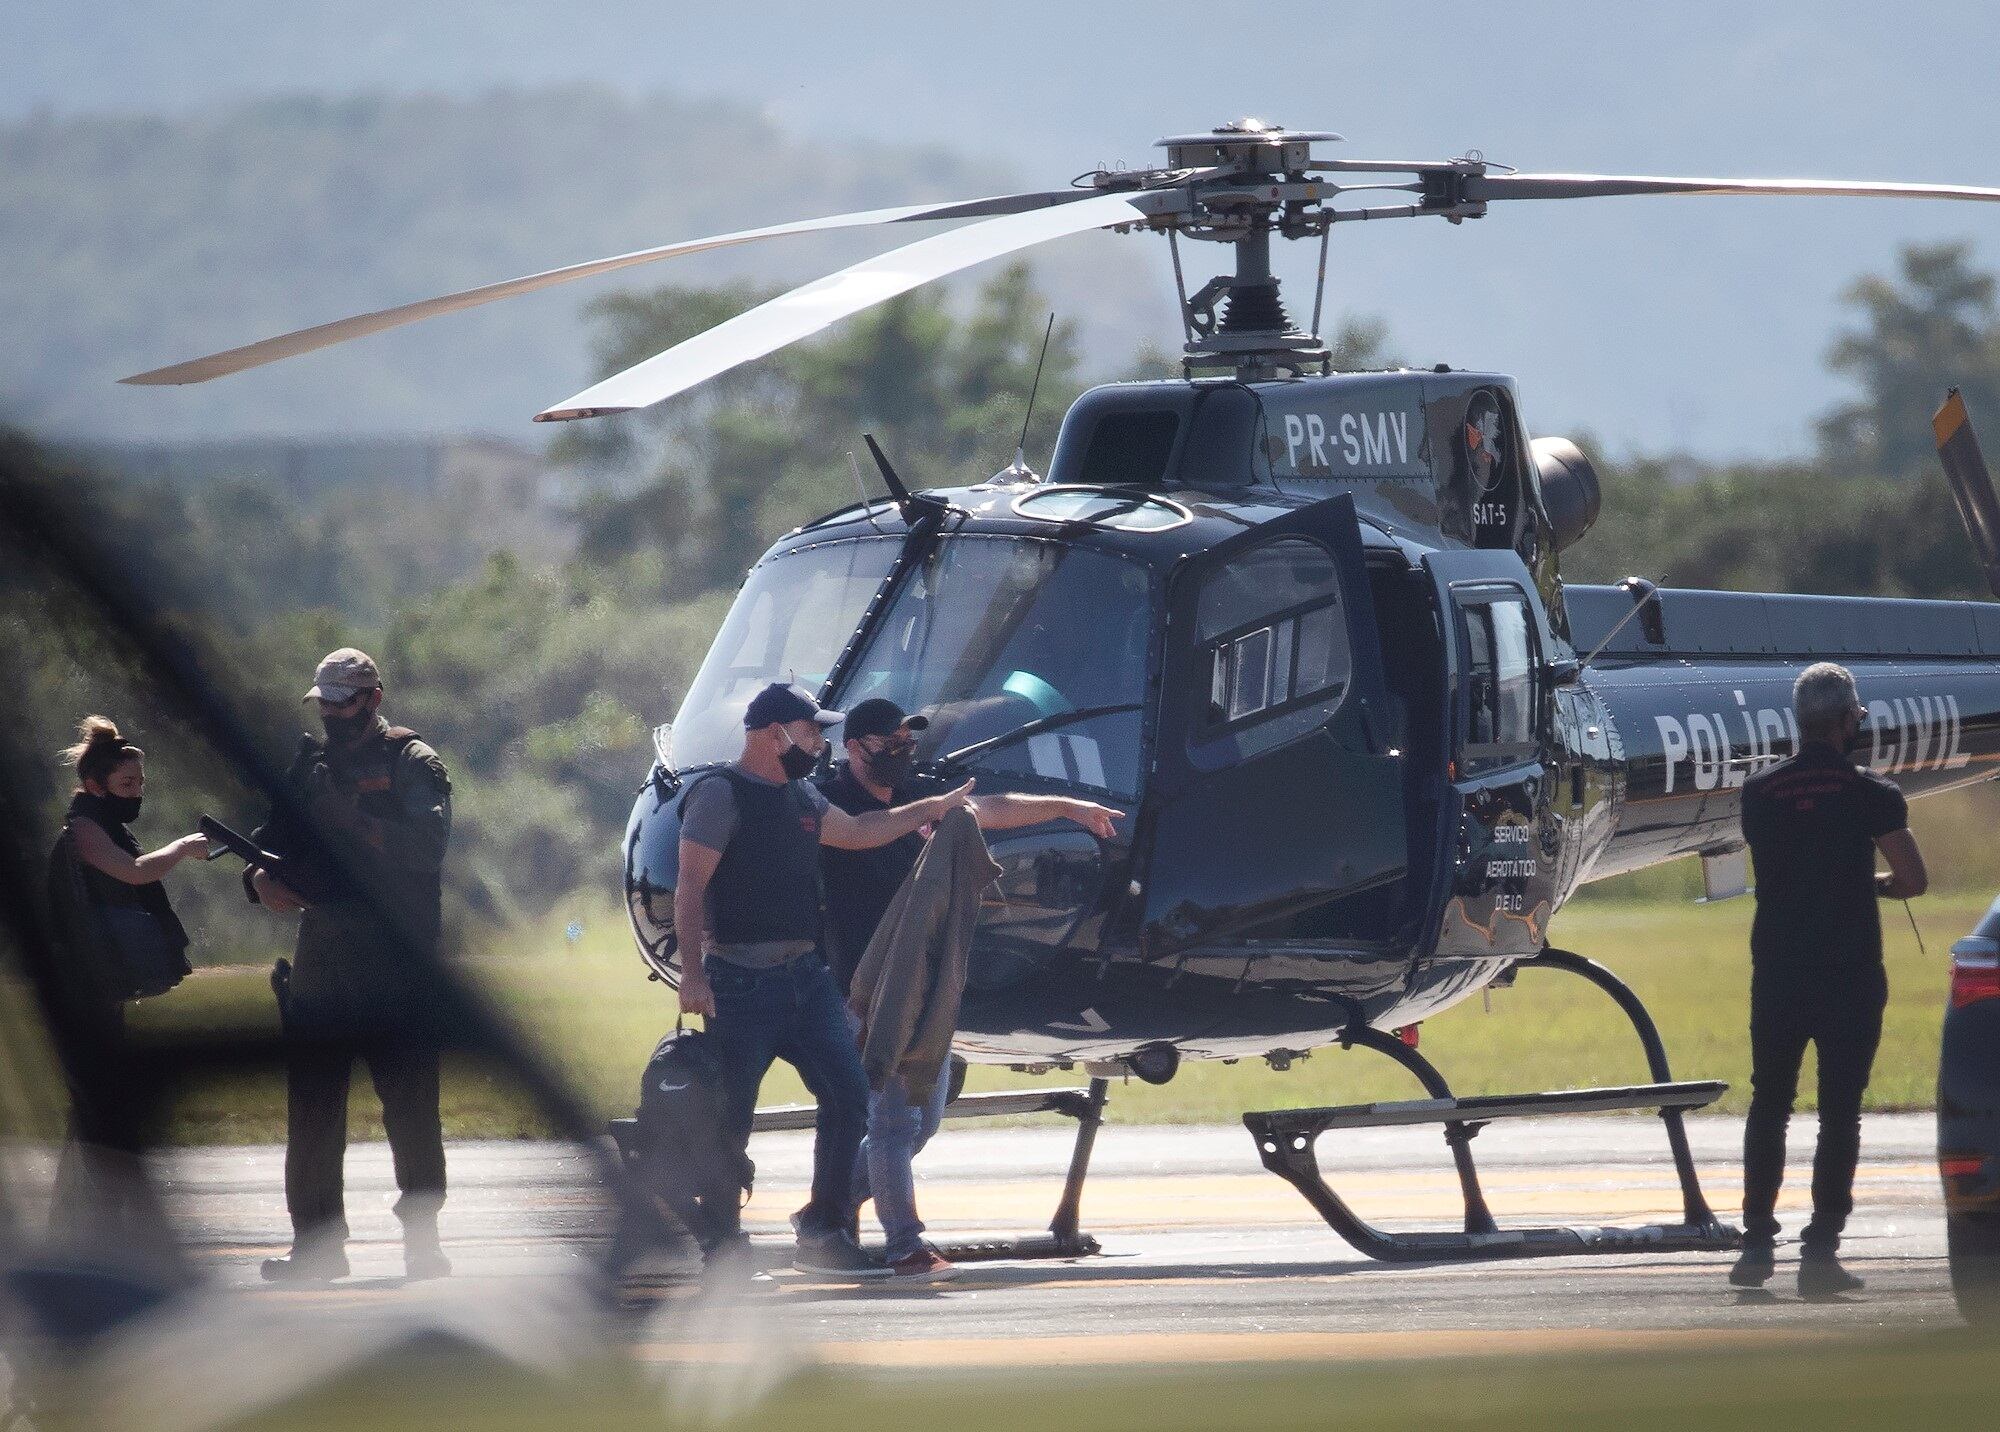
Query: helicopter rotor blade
(1971, 484)
(324, 335)
(1482, 188)
(806, 310)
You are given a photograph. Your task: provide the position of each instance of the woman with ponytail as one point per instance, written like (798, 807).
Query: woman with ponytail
(122, 929)
(120, 940)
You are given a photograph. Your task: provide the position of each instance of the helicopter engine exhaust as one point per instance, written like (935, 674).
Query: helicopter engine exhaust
(1570, 492)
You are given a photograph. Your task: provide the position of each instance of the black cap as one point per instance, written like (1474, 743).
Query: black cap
(879, 716)
(779, 704)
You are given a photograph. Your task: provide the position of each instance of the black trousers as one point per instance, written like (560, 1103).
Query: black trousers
(1840, 1013)
(317, 1075)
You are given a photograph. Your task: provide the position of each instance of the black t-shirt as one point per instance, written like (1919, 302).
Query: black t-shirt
(860, 884)
(1812, 823)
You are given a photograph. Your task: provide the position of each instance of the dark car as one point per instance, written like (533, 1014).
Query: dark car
(1968, 1105)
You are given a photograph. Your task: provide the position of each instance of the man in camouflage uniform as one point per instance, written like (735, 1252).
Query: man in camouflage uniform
(362, 840)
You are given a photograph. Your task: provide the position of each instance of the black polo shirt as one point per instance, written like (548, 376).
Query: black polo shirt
(860, 884)
(1812, 823)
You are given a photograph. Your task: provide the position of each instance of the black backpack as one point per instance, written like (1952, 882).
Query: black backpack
(686, 1159)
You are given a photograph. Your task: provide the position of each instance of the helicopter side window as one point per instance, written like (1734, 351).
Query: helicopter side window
(1274, 630)
(1500, 676)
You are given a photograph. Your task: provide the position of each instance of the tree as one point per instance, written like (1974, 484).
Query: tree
(1932, 328)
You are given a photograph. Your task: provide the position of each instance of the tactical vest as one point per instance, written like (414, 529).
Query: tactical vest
(766, 886)
(369, 774)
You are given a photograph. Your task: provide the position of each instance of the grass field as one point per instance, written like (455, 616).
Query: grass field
(588, 1004)
(1938, 1380)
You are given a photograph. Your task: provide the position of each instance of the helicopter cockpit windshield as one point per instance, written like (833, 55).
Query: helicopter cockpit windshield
(999, 637)
(791, 621)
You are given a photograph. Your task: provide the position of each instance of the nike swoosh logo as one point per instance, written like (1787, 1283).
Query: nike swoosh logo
(670, 1088)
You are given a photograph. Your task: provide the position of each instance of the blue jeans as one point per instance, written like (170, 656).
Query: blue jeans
(795, 1013)
(897, 1133)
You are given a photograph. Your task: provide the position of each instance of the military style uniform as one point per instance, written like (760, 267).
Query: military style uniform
(364, 842)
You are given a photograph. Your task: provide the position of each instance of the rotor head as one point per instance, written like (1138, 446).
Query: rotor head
(1245, 146)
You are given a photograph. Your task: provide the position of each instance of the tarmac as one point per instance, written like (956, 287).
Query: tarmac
(1206, 1257)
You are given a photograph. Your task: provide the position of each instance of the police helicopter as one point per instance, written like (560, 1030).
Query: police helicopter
(1308, 631)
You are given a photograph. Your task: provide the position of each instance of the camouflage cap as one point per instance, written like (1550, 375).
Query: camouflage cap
(341, 674)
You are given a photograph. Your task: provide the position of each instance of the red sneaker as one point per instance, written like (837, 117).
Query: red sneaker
(923, 1266)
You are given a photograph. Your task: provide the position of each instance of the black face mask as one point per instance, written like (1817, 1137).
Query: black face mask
(343, 729)
(891, 768)
(797, 761)
(123, 809)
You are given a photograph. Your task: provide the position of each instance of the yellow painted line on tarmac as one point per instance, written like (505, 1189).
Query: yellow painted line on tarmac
(1127, 1350)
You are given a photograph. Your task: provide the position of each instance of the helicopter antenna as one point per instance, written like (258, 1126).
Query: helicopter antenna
(1021, 447)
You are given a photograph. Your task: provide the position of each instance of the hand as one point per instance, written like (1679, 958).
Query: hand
(1100, 821)
(274, 896)
(696, 995)
(949, 801)
(192, 847)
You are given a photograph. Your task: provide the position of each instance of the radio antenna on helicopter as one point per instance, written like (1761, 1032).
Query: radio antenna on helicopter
(1020, 471)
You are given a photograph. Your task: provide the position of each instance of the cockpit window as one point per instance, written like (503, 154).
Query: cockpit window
(996, 634)
(790, 622)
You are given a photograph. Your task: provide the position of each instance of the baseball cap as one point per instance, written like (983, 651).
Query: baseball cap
(778, 704)
(879, 716)
(341, 674)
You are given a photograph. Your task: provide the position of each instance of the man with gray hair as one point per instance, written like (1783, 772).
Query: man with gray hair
(1813, 824)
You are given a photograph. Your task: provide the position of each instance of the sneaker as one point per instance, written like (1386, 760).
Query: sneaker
(1755, 1267)
(838, 1256)
(797, 1218)
(317, 1266)
(926, 1265)
(1821, 1276)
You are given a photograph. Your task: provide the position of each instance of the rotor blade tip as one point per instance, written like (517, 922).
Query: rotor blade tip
(568, 415)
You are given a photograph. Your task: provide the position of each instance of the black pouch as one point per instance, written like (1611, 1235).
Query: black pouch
(146, 958)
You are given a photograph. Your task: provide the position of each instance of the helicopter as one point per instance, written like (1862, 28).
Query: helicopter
(1308, 632)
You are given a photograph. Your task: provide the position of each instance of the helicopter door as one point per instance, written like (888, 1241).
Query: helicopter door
(1502, 842)
(1275, 808)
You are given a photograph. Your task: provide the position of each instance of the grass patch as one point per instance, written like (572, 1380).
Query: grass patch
(587, 1003)
(1936, 1380)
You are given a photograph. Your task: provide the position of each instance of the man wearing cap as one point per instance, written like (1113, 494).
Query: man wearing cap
(881, 742)
(747, 914)
(1814, 824)
(363, 834)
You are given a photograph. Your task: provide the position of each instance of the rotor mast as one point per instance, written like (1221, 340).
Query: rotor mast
(1256, 179)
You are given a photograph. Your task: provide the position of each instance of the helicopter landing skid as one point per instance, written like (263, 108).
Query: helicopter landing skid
(1065, 1237)
(1285, 1141)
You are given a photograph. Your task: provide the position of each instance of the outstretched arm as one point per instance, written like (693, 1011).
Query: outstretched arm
(1013, 811)
(878, 827)
(96, 849)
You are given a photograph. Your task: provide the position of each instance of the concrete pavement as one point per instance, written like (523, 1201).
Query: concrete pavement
(1206, 1256)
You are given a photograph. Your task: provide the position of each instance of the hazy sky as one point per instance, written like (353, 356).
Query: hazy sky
(1698, 323)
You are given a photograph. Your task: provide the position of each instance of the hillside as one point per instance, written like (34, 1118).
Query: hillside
(132, 241)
